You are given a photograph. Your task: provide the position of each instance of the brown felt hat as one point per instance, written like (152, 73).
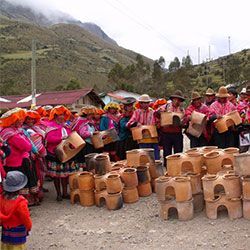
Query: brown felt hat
(177, 94)
(210, 92)
(128, 100)
(222, 92)
(195, 95)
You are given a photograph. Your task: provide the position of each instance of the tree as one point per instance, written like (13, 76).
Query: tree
(116, 72)
(139, 61)
(73, 84)
(187, 62)
(161, 62)
(174, 65)
(233, 70)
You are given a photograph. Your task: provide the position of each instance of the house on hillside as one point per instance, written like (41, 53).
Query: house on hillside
(117, 96)
(70, 98)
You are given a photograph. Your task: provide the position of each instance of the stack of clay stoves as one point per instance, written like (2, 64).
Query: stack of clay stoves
(108, 189)
(175, 192)
(130, 181)
(241, 167)
(148, 169)
(82, 186)
(102, 187)
(246, 196)
(188, 165)
(222, 190)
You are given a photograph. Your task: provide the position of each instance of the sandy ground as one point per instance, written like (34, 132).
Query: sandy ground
(135, 226)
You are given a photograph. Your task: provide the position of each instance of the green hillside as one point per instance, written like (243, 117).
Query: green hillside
(65, 53)
(70, 57)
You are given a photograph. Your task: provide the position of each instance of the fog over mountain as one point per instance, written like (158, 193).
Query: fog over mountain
(44, 15)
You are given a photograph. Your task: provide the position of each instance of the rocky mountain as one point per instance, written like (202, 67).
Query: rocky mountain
(26, 14)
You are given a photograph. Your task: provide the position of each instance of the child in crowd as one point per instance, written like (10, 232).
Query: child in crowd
(14, 213)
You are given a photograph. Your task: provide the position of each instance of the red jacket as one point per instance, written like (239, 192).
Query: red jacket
(2, 175)
(14, 213)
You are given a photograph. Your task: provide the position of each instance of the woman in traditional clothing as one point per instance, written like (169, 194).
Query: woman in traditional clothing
(20, 147)
(197, 105)
(84, 126)
(111, 121)
(55, 133)
(36, 135)
(126, 141)
(97, 118)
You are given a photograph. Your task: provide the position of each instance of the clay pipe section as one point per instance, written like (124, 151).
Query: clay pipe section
(129, 177)
(143, 174)
(86, 181)
(113, 183)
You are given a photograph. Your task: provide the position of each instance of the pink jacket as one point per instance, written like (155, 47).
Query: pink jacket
(143, 117)
(244, 110)
(221, 109)
(20, 147)
(80, 125)
(54, 136)
(202, 109)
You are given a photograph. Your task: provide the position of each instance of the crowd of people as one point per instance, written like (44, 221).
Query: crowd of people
(29, 138)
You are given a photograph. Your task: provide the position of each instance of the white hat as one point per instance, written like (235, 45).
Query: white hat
(243, 91)
(144, 98)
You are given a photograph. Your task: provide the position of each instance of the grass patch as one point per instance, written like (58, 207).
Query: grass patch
(25, 55)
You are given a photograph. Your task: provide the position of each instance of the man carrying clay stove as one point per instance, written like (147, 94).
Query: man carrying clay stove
(171, 135)
(209, 97)
(198, 106)
(219, 108)
(144, 115)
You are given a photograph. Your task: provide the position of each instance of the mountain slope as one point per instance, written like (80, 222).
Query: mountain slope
(64, 52)
(22, 13)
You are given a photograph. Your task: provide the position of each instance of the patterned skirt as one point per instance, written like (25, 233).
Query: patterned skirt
(29, 170)
(14, 236)
(62, 170)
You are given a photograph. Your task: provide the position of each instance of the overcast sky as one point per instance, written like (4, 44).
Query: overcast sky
(165, 28)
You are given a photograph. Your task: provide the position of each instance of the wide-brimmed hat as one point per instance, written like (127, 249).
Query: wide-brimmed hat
(210, 92)
(11, 116)
(177, 94)
(159, 102)
(232, 90)
(243, 91)
(88, 110)
(144, 98)
(40, 110)
(128, 100)
(59, 110)
(33, 114)
(222, 92)
(14, 181)
(195, 95)
(111, 105)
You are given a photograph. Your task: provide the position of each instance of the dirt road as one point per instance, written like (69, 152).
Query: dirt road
(136, 226)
